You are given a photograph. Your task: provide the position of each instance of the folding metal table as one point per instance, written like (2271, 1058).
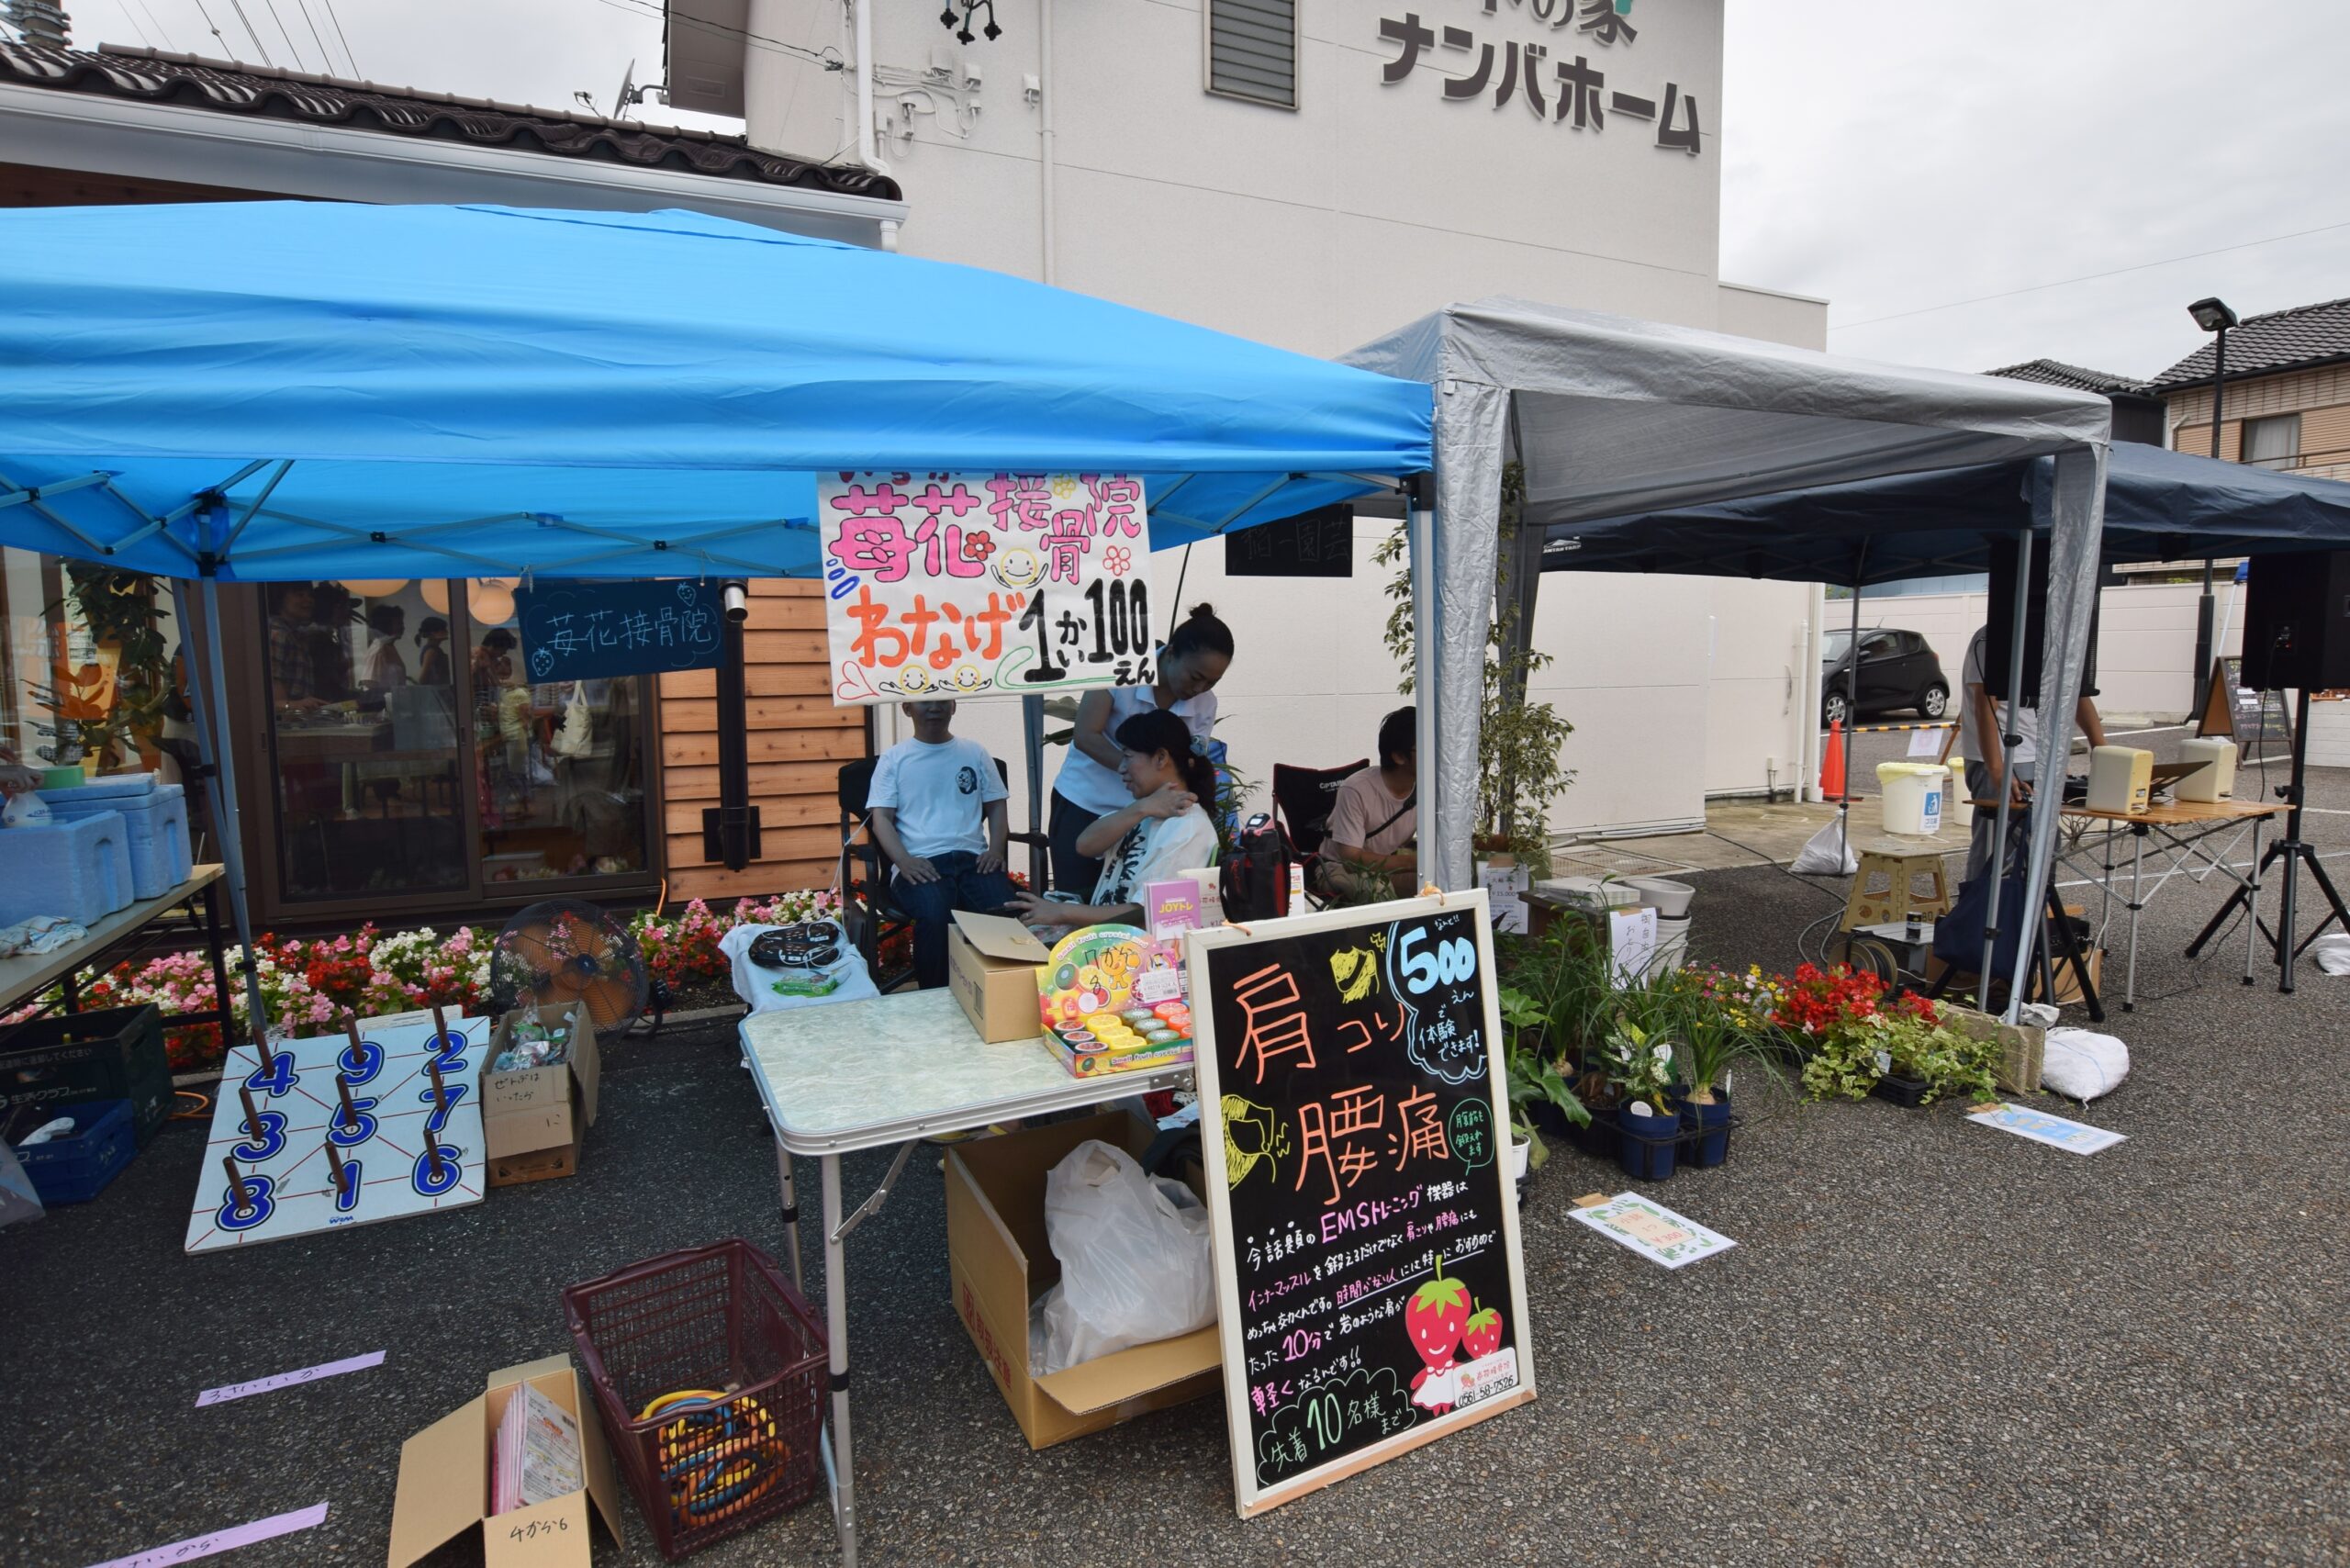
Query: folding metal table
(2182, 828)
(871, 1074)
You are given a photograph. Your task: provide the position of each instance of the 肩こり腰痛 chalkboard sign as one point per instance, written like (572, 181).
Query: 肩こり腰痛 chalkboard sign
(1369, 1282)
(594, 630)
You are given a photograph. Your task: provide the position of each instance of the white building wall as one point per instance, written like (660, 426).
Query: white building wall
(2146, 651)
(1320, 229)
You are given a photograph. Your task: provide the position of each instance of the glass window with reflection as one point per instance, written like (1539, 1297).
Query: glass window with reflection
(363, 717)
(559, 767)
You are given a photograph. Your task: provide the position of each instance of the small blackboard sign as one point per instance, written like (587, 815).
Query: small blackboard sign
(1372, 1296)
(1317, 543)
(2253, 720)
(594, 631)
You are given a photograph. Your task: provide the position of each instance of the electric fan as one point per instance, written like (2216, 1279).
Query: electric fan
(567, 950)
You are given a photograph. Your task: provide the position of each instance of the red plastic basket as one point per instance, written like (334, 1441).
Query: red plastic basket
(722, 1336)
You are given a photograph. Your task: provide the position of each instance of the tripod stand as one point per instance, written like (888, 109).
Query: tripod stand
(2293, 854)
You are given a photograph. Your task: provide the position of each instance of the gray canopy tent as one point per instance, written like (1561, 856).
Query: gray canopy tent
(1611, 415)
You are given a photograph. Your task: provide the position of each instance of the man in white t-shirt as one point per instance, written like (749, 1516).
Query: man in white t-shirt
(937, 813)
(1982, 721)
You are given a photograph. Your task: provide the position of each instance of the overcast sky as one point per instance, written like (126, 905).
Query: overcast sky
(1888, 155)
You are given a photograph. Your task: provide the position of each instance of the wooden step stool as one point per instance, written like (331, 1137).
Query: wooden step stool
(1885, 888)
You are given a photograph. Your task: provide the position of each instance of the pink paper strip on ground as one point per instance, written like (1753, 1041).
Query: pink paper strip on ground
(228, 1539)
(227, 1391)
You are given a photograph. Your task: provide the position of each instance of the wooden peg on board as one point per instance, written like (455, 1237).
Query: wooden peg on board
(432, 1155)
(342, 1170)
(252, 1115)
(351, 1031)
(261, 1043)
(236, 1181)
(440, 1089)
(440, 1025)
(349, 1111)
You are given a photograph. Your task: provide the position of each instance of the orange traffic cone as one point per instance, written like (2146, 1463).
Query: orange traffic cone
(1832, 762)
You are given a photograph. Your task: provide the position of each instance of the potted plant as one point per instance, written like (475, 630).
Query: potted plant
(1536, 1090)
(1722, 1020)
(1639, 1066)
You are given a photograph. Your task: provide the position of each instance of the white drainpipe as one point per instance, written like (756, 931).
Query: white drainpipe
(1045, 134)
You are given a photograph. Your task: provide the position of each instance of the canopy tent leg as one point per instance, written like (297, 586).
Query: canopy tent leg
(1852, 717)
(1419, 528)
(2009, 740)
(1453, 602)
(2076, 524)
(211, 707)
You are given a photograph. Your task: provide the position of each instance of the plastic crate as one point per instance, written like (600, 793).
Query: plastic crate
(75, 1168)
(720, 1323)
(109, 1052)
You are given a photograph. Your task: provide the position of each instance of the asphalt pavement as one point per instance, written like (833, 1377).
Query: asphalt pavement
(1934, 1343)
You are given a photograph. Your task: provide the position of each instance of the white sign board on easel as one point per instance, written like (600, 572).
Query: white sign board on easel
(286, 1182)
(1371, 1289)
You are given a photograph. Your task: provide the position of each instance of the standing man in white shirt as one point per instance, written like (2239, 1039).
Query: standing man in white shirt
(937, 813)
(1982, 721)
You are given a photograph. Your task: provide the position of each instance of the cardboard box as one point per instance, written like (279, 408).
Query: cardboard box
(991, 967)
(445, 1481)
(998, 1261)
(535, 1119)
(2021, 1046)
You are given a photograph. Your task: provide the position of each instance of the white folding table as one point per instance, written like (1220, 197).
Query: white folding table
(869, 1074)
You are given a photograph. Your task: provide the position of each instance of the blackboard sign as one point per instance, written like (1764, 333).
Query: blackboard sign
(1369, 1289)
(2253, 720)
(594, 631)
(1317, 543)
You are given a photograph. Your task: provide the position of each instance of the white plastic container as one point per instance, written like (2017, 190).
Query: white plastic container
(1914, 792)
(1592, 892)
(1668, 898)
(2217, 782)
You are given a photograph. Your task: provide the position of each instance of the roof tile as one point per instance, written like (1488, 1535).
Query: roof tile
(152, 76)
(2263, 345)
(2056, 372)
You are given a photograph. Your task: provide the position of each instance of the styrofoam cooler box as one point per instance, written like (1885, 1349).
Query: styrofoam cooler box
(76, 868)
(156, 817)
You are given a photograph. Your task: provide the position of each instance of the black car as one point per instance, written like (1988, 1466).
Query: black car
(1898, 669)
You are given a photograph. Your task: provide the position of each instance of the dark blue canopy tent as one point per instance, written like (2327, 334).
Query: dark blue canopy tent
(282, 391)
(2159, 506)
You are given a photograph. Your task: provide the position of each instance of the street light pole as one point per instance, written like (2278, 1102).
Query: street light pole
(2212, 316)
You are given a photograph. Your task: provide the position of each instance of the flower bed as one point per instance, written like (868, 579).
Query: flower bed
(309, 986)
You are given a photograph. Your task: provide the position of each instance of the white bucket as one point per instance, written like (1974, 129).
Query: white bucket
(1668, 898)
(1671, 944)
(1914, 792)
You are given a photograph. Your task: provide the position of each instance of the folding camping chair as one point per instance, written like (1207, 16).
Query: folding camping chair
(869, 914)
(1303, 796)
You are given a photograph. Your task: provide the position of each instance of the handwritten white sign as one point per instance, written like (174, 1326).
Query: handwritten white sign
(270, 1385)
(970, 585)
(1654, 1231)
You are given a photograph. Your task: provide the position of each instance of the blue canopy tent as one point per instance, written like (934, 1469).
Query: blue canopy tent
(281, 391)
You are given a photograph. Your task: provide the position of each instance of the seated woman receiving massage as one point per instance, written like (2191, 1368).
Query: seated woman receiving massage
(1163, 833)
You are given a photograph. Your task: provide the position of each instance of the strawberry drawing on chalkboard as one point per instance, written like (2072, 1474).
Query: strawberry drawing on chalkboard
(1484, 1335)
(1436, 1317)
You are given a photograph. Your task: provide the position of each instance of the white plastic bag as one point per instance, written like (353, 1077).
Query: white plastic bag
(2332, 953)
(1819, 855)
(2082, 1064)
(577, 734)
(1134, 1261)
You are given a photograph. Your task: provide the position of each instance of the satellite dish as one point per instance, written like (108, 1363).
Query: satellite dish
(627, 97)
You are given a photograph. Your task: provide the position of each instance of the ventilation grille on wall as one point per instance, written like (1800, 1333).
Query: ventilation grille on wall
(1252, 51)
